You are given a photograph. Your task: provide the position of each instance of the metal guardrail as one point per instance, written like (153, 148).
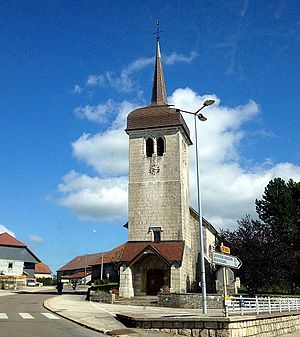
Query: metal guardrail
(243, 305)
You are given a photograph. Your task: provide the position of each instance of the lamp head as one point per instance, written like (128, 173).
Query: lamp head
(208, 102)
(202, 118)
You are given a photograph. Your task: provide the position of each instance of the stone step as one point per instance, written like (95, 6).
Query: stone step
(138, 301)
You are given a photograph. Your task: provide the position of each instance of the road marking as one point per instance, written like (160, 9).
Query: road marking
(25, 315)
(49, 315)
(108, 312)
(3, 315)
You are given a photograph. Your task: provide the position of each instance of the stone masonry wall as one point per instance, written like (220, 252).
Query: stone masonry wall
(268, 325)
(158, 187)
(189, 301)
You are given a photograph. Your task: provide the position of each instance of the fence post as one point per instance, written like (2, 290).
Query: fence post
(269, 304)
(280, 302)
(242, 304)
(256, 304)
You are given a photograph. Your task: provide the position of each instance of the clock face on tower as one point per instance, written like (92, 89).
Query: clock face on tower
(154, 169)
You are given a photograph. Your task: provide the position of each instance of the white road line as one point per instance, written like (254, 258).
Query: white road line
(108, 312)
(25, 315)
(3, 315)
(49, 315)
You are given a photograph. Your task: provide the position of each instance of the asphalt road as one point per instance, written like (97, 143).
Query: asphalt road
(23, 315)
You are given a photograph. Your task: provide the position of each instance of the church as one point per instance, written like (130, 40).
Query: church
(163, 244)
(163, 230)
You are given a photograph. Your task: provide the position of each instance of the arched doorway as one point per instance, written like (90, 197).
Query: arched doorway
(155, 281)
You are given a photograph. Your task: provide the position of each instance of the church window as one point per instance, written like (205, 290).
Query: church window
(160, 146)
(149, 147)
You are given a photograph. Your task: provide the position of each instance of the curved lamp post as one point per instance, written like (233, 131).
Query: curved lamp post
(101, 273)
(202, 118)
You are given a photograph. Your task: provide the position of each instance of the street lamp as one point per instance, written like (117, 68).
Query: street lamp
(202, 118)
(101, 273)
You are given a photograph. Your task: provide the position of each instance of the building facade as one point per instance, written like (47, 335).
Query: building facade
(163, 231)
(17, 261)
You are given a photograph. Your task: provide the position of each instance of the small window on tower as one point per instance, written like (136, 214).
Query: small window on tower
(10, 265)
(149, 147)
(157, 237)
(156, 233)
(160, 146)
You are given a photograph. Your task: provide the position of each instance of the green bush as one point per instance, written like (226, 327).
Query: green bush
(106, 287)
(45, 281)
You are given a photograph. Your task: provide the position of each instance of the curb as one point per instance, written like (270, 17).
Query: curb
(86, 325)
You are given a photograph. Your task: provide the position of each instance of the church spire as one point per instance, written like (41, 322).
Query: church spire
(159, 96)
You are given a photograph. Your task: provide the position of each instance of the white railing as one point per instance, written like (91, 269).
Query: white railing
(242, 305)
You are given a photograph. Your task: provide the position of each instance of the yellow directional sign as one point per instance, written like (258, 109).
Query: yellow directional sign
(225, 249)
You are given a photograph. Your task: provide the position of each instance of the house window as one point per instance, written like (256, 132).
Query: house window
(10, 265)
(160, 146)
(149, 147)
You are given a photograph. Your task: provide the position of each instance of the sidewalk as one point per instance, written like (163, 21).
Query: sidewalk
(101, 316)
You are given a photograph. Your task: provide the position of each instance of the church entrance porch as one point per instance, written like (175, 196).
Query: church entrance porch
(150, 274)
(149, 266)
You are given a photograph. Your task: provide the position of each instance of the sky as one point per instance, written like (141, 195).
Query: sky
(71, 71)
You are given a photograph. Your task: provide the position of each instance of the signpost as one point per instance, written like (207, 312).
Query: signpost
(220, 276)
(227, 261)
(225, 249)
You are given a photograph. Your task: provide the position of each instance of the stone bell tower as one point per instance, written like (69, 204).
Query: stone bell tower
(158, 206)
(162, 247)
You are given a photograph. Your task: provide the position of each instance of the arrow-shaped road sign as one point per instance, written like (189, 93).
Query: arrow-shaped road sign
(226, 260)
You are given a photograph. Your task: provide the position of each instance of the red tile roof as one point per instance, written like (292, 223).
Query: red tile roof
(80, 262)
(112, 256)
(79, 274)
(41, 268)
(8, 240)
(170, 250)
(129, 251)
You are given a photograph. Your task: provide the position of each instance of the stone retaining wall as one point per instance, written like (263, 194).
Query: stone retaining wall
(102, 297)
(266, 325)
(188, 301)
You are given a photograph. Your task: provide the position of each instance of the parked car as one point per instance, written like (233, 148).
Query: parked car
(31, 283)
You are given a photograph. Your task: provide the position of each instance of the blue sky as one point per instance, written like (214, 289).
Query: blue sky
(72, 70)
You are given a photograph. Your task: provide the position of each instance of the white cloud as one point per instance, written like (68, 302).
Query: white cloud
(94, 198)
(96, 80)
(107, 152)
(4, 229)
(174, 58)
(77, 89)
(97, 114)
(36, 239)
(228, 189)
(124, 82)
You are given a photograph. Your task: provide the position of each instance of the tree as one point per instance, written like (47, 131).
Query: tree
(254, 244)
(280, 209)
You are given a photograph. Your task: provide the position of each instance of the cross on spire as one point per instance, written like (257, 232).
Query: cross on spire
(159, 95)
(157, 31)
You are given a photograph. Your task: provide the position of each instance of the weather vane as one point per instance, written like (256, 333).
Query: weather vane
(157, 31)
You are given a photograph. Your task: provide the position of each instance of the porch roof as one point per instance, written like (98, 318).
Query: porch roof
(170, 250)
